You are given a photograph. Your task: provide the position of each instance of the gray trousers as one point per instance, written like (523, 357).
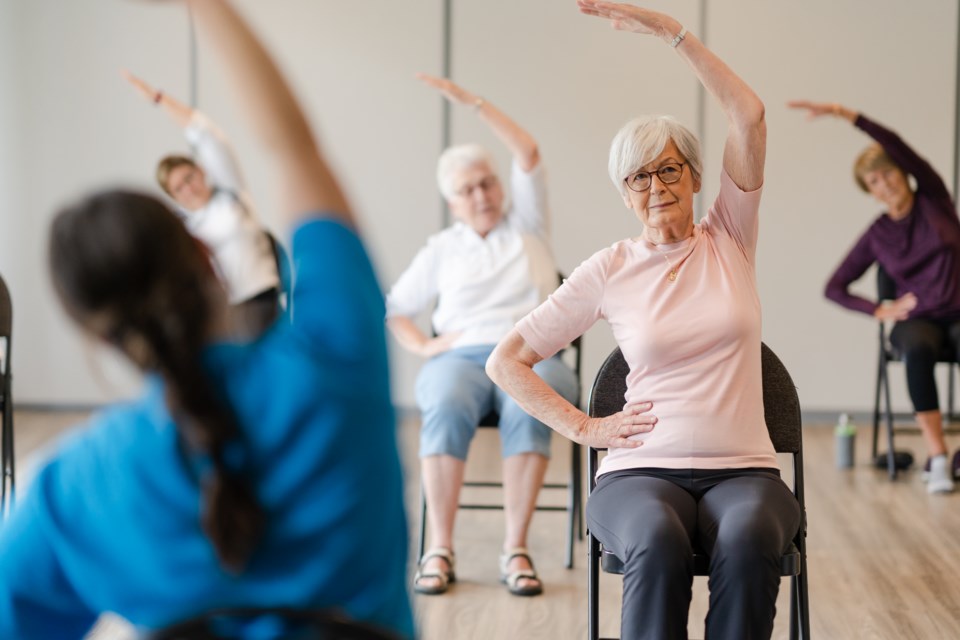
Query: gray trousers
(653, 519)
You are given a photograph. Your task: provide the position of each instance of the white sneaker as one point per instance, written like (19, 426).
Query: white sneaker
(941, 475)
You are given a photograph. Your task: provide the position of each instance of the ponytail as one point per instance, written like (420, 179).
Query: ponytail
(126, 269)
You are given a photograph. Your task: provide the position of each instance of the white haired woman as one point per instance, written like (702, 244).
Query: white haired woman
(485, 272)
(690, 461)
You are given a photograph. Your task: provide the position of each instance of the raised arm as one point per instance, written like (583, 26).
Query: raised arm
(910, 161)
(211, 148)
(306, 184)
(521, 144)
(181, 113)
(510, 366)
(745, 150)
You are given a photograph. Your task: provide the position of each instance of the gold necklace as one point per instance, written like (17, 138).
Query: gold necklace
(675, 271)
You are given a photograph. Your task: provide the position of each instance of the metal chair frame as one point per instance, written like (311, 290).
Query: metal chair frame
(7, 460)
(886, 290)
(793, 562)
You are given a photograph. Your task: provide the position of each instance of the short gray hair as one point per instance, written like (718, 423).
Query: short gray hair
(460, 157)
(642, 139)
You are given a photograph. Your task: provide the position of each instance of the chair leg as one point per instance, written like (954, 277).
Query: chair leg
(578, 480)
(593, 588)
(571, 509)
(794, 609)
(7, 476)
(891, 464)
(803, 597)
(881, 364)
(421, 543)
(950, 393)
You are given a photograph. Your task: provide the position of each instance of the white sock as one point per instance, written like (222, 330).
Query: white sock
(941, 476)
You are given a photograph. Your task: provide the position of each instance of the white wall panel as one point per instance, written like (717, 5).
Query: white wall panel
(895, 62)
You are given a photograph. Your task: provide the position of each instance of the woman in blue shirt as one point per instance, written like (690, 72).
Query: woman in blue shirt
(236, 479)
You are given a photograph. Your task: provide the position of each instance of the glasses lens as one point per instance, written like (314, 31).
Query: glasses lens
(639, 181)
(669, 173)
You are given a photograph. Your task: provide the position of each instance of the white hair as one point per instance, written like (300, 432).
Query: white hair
(457, 158)
(642, 139)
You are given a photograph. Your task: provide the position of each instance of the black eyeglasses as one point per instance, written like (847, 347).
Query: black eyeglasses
(668, 174)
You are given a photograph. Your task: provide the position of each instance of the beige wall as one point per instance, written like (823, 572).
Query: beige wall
(67, 122)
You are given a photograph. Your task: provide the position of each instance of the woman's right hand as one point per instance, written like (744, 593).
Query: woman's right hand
(435, 346)
(141, 86)
(450, 89)
(626, 17)
(818, 109)
(898, 309)
(616, 431)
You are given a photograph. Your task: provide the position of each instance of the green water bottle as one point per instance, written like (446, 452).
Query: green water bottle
(844, 438)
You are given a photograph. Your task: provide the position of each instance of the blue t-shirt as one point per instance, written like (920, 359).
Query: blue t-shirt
(112, 523)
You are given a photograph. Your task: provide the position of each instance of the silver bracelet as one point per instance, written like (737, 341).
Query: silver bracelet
(679, 37)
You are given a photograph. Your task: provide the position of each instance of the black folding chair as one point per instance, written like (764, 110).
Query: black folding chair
(284, 270)
(887, 353)
(256, 622)
(782, 412)
(7, 463)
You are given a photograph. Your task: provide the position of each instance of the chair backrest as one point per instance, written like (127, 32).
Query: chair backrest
(886, 287)
(781, 405)
(282, 260)
(254, 622)
(6, 327)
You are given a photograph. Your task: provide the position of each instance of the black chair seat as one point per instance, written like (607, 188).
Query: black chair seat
(789, 563)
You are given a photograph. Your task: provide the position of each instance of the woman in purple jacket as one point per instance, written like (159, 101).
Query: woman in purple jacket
(917, 242)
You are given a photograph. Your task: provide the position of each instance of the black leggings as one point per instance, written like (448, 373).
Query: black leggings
(652, 519)
(921, 342)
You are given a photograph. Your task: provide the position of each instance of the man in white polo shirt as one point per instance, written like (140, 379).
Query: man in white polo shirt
(484, 273)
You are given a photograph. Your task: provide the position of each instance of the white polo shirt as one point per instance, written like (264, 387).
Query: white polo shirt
(227, 224)
(483, 286)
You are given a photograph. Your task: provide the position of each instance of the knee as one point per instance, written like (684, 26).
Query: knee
(920, 351)
(652, 549)
(747, 547)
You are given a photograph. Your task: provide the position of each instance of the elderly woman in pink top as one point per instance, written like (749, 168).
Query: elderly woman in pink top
(690, 459)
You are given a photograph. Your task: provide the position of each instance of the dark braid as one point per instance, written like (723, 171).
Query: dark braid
(127, 270)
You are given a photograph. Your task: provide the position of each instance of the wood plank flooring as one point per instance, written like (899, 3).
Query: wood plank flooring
(884, 557)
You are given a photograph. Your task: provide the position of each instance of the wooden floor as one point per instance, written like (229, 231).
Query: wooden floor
(884, 558)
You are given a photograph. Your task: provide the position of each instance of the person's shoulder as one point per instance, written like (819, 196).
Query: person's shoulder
(109, 439)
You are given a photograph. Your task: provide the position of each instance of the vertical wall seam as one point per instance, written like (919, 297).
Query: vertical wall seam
(702, 107)
(445, 123)
(192, 68)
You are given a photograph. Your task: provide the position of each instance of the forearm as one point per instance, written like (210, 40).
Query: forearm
(903, 154)
(181, 113)
(745, 149)
(510, 366)
(407, 333)
(273, 114)
(521, 144)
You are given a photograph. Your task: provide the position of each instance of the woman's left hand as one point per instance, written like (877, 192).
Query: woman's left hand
(627, 17)
(140, 85)
(819, 109)
(450, 90)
